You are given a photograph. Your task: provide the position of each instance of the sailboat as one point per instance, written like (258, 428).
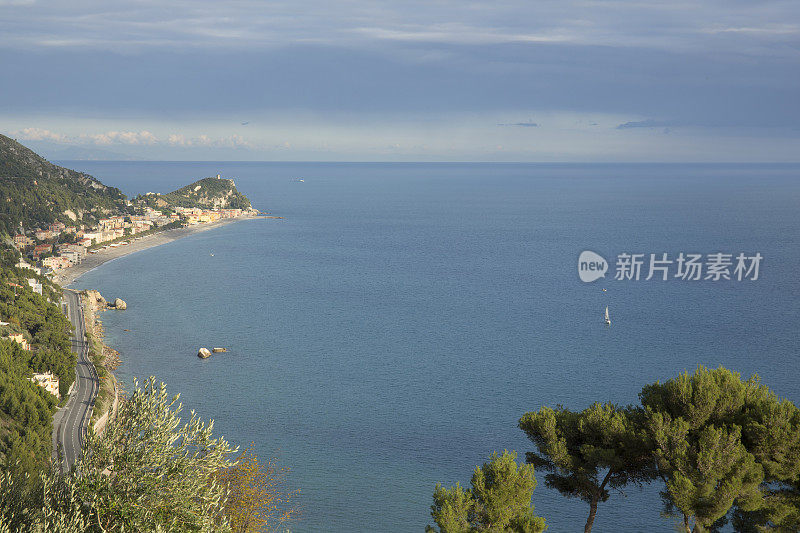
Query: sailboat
(607, 320)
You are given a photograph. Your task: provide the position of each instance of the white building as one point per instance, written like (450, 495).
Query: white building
(35, 285)
(49, 381)
(24, 264)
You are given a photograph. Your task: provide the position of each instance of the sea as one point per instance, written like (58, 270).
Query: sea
(390, 330)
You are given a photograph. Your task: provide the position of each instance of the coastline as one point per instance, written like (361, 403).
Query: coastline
(92, 261)
(104, 358)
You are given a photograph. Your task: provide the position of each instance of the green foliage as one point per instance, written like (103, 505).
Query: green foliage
(499, 500)
(26, 410)
(771, 432)
(720, 444)
(695, 422)
(588, 452)
(35, 193)
(44, 322)
(148, 471)
(210, 189)
(706, 470)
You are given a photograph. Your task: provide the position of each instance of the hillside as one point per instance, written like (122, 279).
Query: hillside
(206, 193)
(26, 409)
(35, 192)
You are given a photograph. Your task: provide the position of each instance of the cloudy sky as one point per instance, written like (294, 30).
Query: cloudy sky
(541, 80)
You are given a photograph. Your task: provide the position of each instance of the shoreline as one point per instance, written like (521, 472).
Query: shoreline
(70, 275)
(104, 357)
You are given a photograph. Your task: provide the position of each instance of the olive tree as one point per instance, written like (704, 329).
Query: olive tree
(150, 471)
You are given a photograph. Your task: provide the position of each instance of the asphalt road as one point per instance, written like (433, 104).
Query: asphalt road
(69, 423)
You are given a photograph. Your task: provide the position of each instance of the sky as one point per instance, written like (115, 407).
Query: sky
(375, 80)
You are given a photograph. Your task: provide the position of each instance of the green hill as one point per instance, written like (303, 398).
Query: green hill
(26, 410)
(206, 193)
(35, 192)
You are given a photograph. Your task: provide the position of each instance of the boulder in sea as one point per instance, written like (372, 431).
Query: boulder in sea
(120, 304)
(203, 353)
(219, 350)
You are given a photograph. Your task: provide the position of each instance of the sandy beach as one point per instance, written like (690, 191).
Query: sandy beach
(69, 275)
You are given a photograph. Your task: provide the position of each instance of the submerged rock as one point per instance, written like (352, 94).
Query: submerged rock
(120, 304)
(203, 353)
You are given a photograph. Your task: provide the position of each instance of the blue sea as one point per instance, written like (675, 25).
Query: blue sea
(389, 332)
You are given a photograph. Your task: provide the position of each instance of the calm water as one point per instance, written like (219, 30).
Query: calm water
(392, 329)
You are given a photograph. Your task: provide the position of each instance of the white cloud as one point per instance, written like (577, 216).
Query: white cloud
(38, 134)
(133, 138)
(559, 136)
(204, 140)
(462, 34)
(772, 29)
(176, 139)
(121, 137)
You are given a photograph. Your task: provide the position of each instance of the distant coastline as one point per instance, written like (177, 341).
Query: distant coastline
(69, 275)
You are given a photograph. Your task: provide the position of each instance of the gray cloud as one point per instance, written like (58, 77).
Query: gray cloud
(712, 64)
(648, 123)
(714, 25)
(529, 124)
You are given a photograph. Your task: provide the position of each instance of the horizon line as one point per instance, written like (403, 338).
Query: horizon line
(432, 162)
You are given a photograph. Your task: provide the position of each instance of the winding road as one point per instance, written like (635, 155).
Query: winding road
(69, 423)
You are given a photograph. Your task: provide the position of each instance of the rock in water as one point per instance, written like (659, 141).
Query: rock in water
(119, 303)
(203, 353)
(219, 350)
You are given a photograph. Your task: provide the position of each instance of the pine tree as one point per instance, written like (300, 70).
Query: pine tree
(590, 451)
(696, 426)
(771, 432)
(499, 500)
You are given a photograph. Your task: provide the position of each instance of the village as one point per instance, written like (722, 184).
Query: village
(46, 251)
(58, 246)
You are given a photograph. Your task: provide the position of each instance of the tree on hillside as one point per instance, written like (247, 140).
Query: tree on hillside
(695, 423)
(148, 471)
(499, 500)
(589, 452)
(55, 505)
(256, 498)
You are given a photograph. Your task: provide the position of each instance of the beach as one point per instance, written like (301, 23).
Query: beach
(92, 261)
